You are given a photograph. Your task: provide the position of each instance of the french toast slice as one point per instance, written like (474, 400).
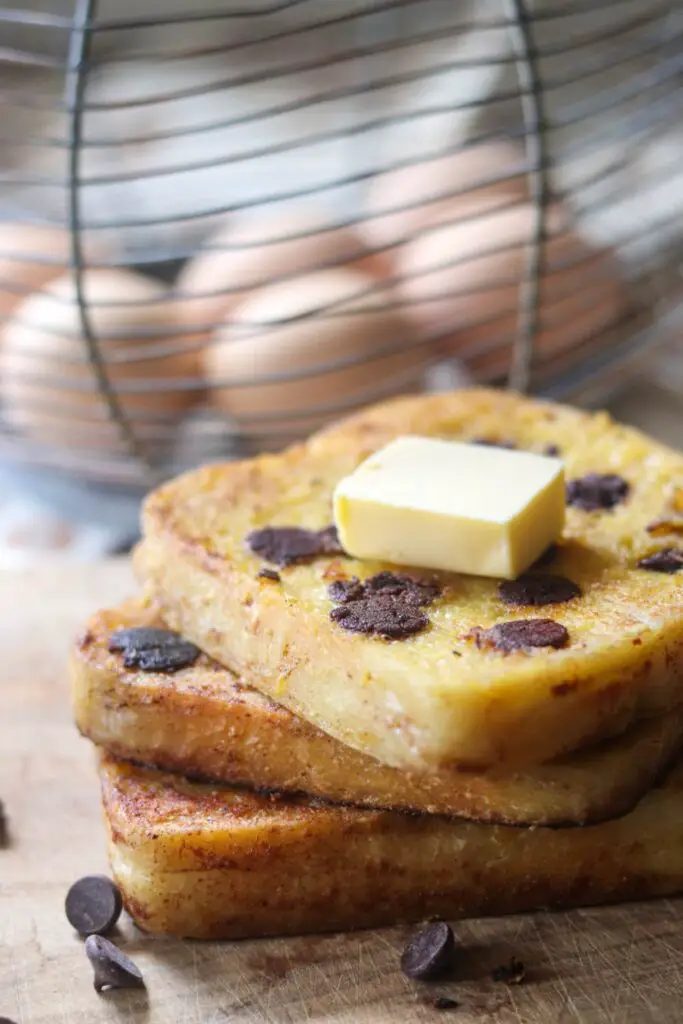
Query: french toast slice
(203, 721)
(439, 698)
(210, 862)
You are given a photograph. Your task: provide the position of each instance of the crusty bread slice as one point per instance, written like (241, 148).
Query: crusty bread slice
(203, 721)
(209, 862)
(436, 699)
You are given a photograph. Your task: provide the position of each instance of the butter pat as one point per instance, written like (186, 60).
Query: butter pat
(459, 507)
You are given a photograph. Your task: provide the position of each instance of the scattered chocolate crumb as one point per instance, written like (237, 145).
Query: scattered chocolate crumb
(380, 616)
(597, 491)
(457, 654)
(111, 966)
(538, 589)
(487, 442)
(664, 527)
(548, 556)
(667, 560)
(445, 1003)
(153, 650)
(269, 574)
(553, 450)
(513, 973)
(430, 952)
(291, 545)
(521, 635)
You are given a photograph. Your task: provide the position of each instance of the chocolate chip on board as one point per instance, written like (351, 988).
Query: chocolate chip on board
(93, 905)
(538, 589)
(111, 967)
(153, 650)
(512, 973)
(387, 617)
(522, 635)
(597, 491)
(668, 560)
(6, 1020)
(430, 952)
(290, 545)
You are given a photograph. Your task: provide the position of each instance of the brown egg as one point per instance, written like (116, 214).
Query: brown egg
(49, 387)
(461, 281)
(243, 257)
(30, 256)
(296, 328)
(401, 202)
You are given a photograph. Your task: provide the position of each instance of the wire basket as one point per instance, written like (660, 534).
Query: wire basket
(225, 227)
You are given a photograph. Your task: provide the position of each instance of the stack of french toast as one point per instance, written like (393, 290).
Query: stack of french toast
(293, 740)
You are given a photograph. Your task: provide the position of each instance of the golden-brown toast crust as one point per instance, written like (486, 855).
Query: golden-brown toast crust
(434, 700)
(203, 721)
(207, 862)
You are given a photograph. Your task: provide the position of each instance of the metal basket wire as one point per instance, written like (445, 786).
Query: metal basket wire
(104, 134)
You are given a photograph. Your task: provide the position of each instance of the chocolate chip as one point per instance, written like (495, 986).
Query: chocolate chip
(667, 560)
(596, 491)
(538, 589)
(6, 1020)
(445, 1003)
(522, 634)
(380, 616)
(111, 966)
(269, 574)
(430, 952)
(406, 589)
(487, 442)
(153, 650)
(553, 450)
(548, 556)
(513, 973)
(93, 905)
(290, 545)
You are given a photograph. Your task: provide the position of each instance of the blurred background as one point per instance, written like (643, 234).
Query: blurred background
(223, 226)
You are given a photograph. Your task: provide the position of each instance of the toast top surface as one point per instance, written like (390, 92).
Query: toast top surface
(207, 514)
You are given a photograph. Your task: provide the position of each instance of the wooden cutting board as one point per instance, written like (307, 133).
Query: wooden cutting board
(619, 965)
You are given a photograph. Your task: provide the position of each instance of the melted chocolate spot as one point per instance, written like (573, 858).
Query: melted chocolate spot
(597, 492)
(522, 635)
(538, 589)
(290, 545)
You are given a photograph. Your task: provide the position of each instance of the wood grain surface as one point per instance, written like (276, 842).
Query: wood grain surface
(620, 965)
